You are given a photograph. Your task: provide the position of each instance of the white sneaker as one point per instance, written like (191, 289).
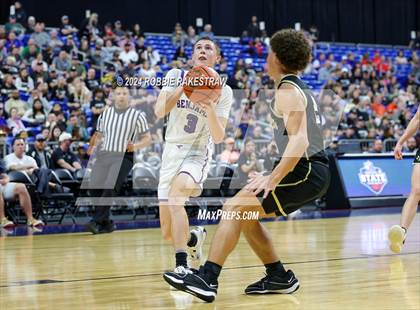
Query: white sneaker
(196, 252)
(396, 237)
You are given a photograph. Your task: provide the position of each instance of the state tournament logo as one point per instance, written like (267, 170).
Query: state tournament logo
(372, 177)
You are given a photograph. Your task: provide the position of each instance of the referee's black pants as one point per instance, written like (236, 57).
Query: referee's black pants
(107, 166)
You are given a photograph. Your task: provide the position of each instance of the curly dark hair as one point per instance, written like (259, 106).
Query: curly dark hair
(292, 49)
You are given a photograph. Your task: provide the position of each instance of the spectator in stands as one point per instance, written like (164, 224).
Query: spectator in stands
(97, 105)
(20, 13)
(19, 161)
(128, 54)
(35, 116)
(207, 32)
(248, 163)
(325, 72)
(253, 28)
(69, 45)
(55, 133)
(77, 69)
(191, 36)
(39, 71)
(24, 82)
(151, 55)
(11, 191)
(92, 82)
(63, 157)
(377, 146)
(401, 59)
(109, 32)
(349, 133)
(118, 30)
(79, 94)
(14, 25)
(109, 49)
(314, 33)
(229, 155)
(62, 62)
(30, 51)
(40, 37)
(55, 42)
(66, 27)
(39, 153)
(179, 38)
(78, 132)
(15, 102)
(146, 70)
(411, 145)
(180, 54)
(30, 25)
(7, 87)
(15, 122)
(89, 26)
(137, 32)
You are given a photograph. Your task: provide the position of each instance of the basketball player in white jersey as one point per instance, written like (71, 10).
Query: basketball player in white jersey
(191, 131)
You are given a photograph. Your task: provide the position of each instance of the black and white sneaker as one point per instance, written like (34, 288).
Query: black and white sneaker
(195, 284)
(195, 253)
(176, 278)
(274, 284)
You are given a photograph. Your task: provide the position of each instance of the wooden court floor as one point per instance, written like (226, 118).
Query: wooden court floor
(342, 263)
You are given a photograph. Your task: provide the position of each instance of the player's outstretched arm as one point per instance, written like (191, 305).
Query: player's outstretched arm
(410, 131)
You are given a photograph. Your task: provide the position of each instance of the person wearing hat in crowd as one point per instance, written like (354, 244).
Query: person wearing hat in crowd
(38, 152)
(69, 45)
(63, 157)
(14, 25)
(66, 27)
(128, 54)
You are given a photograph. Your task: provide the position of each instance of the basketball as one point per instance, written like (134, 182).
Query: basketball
(202, 84)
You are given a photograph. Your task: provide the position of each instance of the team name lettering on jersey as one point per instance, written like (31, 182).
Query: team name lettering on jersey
(187, 104)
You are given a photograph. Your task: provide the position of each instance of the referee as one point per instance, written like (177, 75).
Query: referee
(117, 129)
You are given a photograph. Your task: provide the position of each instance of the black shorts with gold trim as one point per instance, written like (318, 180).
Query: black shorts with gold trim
(417, 158)
(308, 181)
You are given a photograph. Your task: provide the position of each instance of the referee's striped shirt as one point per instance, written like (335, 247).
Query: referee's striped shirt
(118, 127)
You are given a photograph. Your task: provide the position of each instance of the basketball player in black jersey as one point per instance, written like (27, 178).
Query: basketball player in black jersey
(302, 175)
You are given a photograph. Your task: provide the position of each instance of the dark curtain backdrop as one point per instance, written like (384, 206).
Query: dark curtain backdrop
(365, 21)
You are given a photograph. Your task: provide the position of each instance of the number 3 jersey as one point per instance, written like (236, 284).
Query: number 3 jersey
(187, 122)
(315, 150)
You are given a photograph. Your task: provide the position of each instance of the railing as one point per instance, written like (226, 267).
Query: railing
(363, 145)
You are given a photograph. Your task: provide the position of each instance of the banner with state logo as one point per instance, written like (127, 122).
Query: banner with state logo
(374, 176)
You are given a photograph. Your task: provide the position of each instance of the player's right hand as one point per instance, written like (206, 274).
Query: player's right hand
(398, 152)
